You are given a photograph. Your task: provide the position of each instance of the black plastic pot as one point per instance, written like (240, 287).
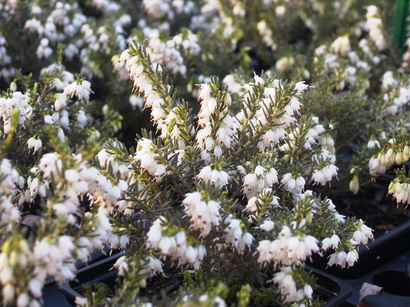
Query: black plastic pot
(372, 256)
(96, 272)
(331, 289)
(393, 277)
(52, 296)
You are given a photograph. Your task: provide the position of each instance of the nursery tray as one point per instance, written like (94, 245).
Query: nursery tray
(383, 249)
(96, 272)
(332, 290)
(393, 276)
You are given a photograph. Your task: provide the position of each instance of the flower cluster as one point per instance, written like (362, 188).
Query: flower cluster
(262, 201)
(204, 215)
(147, 157)
(343, 259)
(165, 52)
(5, 72)
(288, 287)
(396, 94)
(218, 179)
(400, 191)
(8, 104)
(374, 26)
(266, 34)
(10, 181)
(325, 174)
(386, 158)
(258, 180)
(143, 85)
(361, 236)
(288, 249)
(175, 246)
(213, 114)
(236, 236)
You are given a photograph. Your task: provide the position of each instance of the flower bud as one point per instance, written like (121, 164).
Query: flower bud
(354, 184)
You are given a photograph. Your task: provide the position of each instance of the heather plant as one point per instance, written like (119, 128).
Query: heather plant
(90, 35)
(357, 84)
(219, 199)
(55, 204)
(237, 184)
(388, 143)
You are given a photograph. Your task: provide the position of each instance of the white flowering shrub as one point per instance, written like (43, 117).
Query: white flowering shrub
(229, 189)
(55, 204)
(232, 180)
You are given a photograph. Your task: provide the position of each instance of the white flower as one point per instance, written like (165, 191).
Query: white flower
(253, 202)
(232, 84)
(341, 45)
(292, 184)
(338, 258)
(325, 174)
(81, 301)
(287, 286)
(156, 8)
(376, 165)
(23, 300)
(259, 180)
(37, 187)
(35, 287)
(208, 138)
(267, 35)
(34, 25)
(203, 214)
(363, 234)
(235, 236)
(155, 266)
(400, 192)
(218, 179)
(146, 155)
(284, 64)
(121, 265)
(81, 119)
(352, 257)
(154, 234)
(50, 165)
(34, 144)
(193, 256)
(136, 102)
(267, 226)
(43, 50)
(81, 90)
(287, 249)
(308, 291)
(374, 26)
(388, 81)
(332, 242)
(48, 119)
(61, 102)
(174, 246)
(373, 143)
(300, 87)
(8, 293)
(66, 245)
